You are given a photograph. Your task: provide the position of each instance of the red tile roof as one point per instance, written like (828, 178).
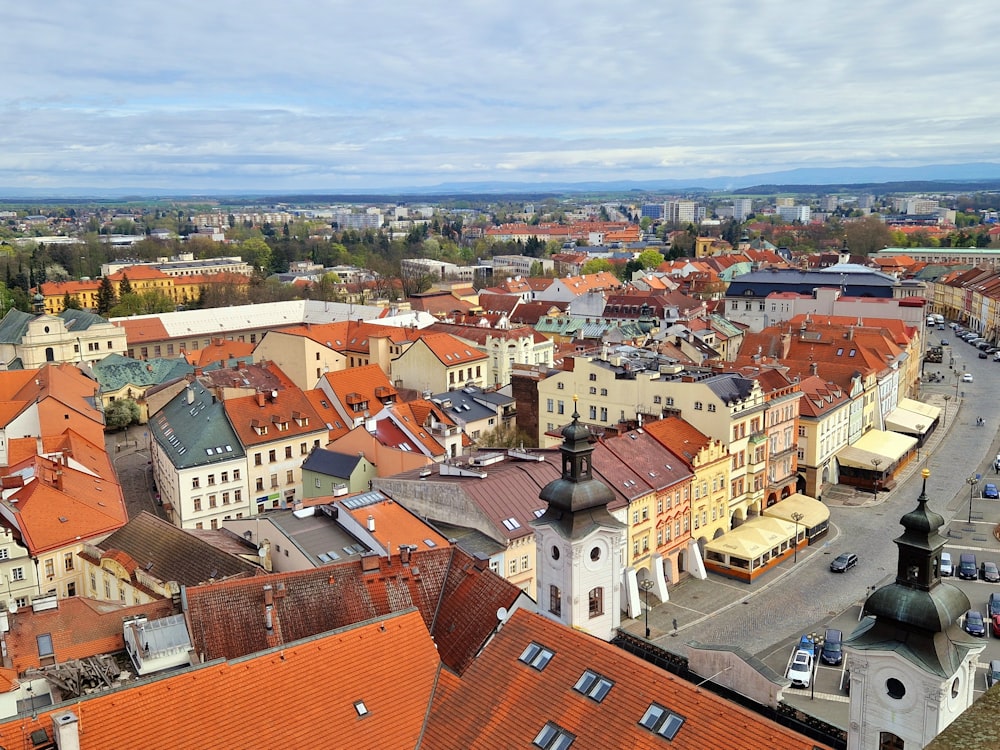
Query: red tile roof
(502, 702)
(450, 351)
(249, 414)
(369, 382)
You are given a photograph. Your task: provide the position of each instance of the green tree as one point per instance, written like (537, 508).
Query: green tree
(145, 303)
(596, 265)
(70, 302)
(120, 413)
(124, 286)
(106, 298)
(650, 259)
(257, 253)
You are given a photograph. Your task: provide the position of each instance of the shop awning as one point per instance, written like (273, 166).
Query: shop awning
(886, 447)
(753, 538)
(814, 513)
(913, 417)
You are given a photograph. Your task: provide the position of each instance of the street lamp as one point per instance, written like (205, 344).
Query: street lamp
(796, 517)
(920, 437)
(646, 585)
(876, 462)
(817, 647)
(944, 419)
(972, 481)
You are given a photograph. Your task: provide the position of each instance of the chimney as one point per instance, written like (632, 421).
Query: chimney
(268, 596)
(371, 524)
(190, 396)
(260, 398)
(58, 480)
(66, 731)
(850, 333)
(814, 368)
(404, 554)
(198, 372)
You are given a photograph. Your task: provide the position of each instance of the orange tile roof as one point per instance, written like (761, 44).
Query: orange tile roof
(679, 437)
(395, 525)
(363, 381)
(139, 273)
(450, 351)
(220, 350)
(79, 628)
(246, 411)
(141, 330)
(328, 414)
(502, 702)
(412, 417)
(351, 335)
(396, 693)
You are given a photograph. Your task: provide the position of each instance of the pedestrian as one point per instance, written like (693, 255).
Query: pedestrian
(675, 623)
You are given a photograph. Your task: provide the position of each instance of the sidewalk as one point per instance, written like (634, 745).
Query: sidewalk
(694, 600)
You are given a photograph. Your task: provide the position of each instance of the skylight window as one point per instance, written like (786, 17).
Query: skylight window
(662, 721)
(361, 708)
(511, 523)
(593, 685)
(536, 656)
(553, 737)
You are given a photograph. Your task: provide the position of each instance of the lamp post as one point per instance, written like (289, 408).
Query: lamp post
(876, 462)
(796, 517)
(944, 419)
(920, 436)
(646, 585)
(817, 647)
(972, 481)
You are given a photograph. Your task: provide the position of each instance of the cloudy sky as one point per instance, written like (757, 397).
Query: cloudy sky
(348, 94)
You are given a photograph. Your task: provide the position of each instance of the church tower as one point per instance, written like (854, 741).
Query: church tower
(912, 666)
(579, 545)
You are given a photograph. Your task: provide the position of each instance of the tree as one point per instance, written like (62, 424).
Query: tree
(650, 259)
(505, 437)
(257, 253)
(867, 236)
(70, 302)
(106, 298)
(596, 265)
(120, 413)
(124, 286)
(146, 303)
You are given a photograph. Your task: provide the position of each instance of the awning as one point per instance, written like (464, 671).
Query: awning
(754, 538)
(913, 417)
(814, 513)
(931, 412)
(892, 445)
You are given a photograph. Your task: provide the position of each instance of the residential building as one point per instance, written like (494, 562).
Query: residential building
(437, 362)
(824, 415)
(680, 212)
(327, 473)
(504, 348)
(29, 341)
(798, 213)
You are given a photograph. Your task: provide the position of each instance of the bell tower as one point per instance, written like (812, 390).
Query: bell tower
(912, 667)
(579, 545)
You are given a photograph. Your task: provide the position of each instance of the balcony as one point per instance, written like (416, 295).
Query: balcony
(757, 437)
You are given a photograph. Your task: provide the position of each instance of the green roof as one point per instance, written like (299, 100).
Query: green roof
(115, 371)
(14, 325)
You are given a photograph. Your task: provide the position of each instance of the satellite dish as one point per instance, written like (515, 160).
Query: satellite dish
(502, 614)
(13, 608)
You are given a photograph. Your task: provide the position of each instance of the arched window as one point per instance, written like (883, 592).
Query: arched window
(889, 741)
(596, 600)
(50, 354)
(555, 601)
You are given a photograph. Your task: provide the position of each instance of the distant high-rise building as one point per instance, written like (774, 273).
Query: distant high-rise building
(795, 213)
(653, 210)
(681, 212)
(742, 208)
(779, 202)
(829, 203)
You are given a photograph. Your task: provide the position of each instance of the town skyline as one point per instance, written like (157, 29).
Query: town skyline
(340, 98)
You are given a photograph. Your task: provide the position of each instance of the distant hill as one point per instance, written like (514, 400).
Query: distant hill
(929, 178)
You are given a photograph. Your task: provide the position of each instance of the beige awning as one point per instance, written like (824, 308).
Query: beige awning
(814, 513)
(889, 445)
(754, 538)
(931, 412)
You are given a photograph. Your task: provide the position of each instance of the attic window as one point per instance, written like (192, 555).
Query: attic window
(361, 708)
(711, 407)
(593, 685)
(553, 737)
(840, 351)
(661, 720)
(63, 519)
(511, 523)
(536, 656)
(852, 352)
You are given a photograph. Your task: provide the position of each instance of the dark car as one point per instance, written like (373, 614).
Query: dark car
(995, 620)
(990, 491)
(983, 355)
(843, 562)
(974, 624)
(988, 572)
(993, 604)
(967, 567)
(993, 673)
(832, 651)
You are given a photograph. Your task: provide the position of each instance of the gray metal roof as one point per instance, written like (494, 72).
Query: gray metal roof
(196, 433)
(331, 463)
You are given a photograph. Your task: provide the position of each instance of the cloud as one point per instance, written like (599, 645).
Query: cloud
(304, 94)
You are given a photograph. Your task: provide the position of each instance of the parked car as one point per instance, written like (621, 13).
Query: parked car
(967, 378)
(988, 572)
(800, 670)
(843, 561)
(832, 651)
(944, 342)
(967, 568)
(983, 345)
(806, 644)
(983, 355)
(995, 620)
(992, 673)
(945, 565)
(993, 605)
(990, 491)
(974, 624)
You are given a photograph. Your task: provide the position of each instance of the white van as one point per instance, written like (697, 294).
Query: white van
(946, 569)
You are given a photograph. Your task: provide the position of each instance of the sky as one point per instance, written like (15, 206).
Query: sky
(341, 95)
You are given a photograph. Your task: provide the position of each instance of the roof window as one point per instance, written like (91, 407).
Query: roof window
(553, 737)
(536, 656)
(361, 708)
(661, 720)
(593, 685)
(511, 523)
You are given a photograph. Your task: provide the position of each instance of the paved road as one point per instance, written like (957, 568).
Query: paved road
(129, 451)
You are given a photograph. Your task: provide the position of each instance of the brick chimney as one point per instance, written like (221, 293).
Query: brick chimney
(261, 399)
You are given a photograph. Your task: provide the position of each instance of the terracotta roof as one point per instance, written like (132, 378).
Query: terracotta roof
(364, 382)
(139, 273)
(328, 414)
(503, 702)
(79, 628)
(395, 526)
(681, 437)
(395, 693)
(254, 418)
(220, 350)
(141, 330)
(450, 351)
